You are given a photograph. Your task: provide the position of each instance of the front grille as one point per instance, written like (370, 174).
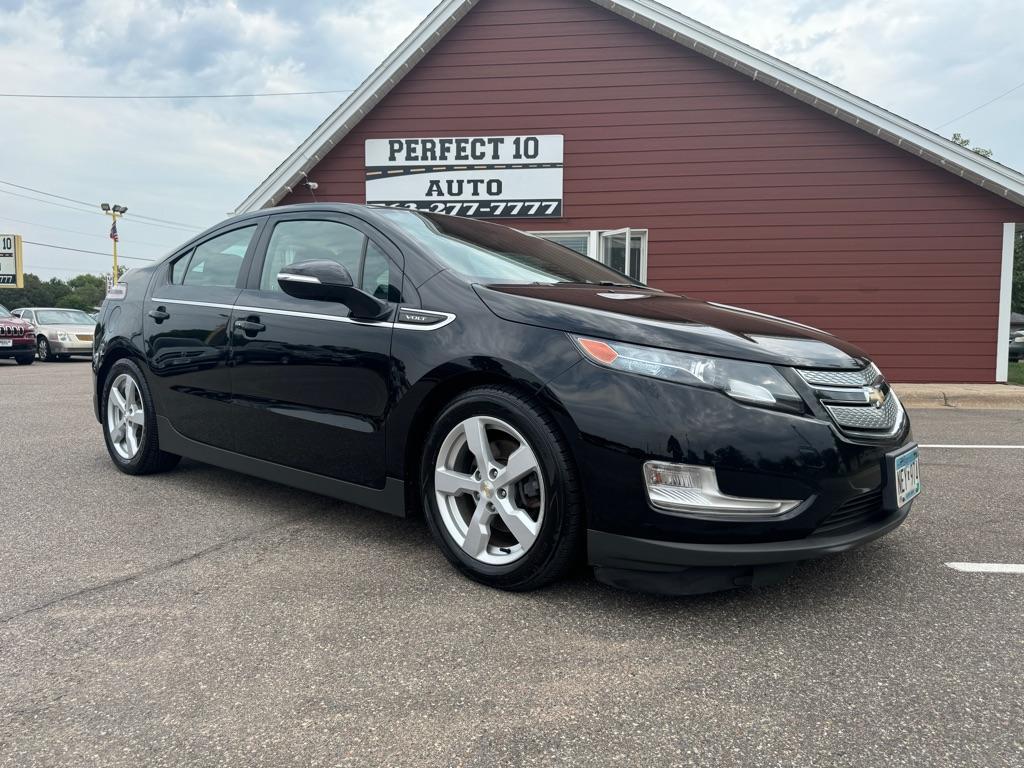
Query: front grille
(867, 417)
(11, 330)
(860, 403)
(855, 512)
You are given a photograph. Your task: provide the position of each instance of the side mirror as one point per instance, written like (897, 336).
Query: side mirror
(324, 280)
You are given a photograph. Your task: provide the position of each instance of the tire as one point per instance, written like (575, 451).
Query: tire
(139, 453)
(43, 350)
(25, 360)
(469, 522)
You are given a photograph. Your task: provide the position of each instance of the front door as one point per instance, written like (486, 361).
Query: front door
(313, 386)
(186, 335)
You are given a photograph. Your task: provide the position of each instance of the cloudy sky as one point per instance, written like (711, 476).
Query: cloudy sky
(191, 161)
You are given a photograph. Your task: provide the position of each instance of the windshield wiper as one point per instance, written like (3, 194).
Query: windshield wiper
(599, 282)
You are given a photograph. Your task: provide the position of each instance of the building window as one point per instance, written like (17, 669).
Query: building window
(609, 247)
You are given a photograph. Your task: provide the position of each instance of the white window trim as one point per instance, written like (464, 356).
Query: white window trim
(1005, 294)
(594, 242)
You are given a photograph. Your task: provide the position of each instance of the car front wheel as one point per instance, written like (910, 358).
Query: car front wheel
(25, 360)
(43, 350)
(500, 490)
(129, 422)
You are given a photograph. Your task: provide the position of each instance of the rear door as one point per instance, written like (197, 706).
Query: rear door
(313, 385)
(186, 333)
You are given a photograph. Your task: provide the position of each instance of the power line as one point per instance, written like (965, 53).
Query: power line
(56, 269)
(980, 106)
(48, 202)
(174, 97)
(93, 212)
(79, 232)
(191, 227)
(81, 250)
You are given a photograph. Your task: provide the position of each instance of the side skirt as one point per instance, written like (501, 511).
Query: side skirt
(390, 499)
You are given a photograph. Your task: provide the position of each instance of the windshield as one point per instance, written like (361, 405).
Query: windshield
(491, 253)
(4, 312)
(63, 317)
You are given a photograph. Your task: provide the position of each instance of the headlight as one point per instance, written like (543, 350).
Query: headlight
(63, 336)
(750, 382)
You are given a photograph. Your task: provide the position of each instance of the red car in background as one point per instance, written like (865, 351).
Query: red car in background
(17, 338)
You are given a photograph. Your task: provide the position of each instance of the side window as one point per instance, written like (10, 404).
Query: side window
(295, 241)
(178, 268)
(217, 262)
(377, 275)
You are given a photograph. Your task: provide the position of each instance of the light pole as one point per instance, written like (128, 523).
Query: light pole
(115, 212)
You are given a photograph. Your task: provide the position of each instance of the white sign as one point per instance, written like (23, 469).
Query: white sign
(10, 261)
(482, 176)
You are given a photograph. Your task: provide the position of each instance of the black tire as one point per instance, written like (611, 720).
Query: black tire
(149, 459)
(560, 537)
(43, 350)
(25, 360)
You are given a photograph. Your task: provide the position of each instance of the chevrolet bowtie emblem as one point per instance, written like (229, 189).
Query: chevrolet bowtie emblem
(876, 397)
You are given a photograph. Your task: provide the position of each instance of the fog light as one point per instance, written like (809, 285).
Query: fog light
(686, 489)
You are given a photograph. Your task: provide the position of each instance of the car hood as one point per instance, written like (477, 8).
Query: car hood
(670, 321)
(14, 322)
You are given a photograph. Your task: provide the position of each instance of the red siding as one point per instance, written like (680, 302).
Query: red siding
(750, 197)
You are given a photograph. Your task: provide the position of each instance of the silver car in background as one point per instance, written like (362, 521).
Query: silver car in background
(60, 333)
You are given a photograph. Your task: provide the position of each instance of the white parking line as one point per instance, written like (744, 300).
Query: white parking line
(946, 445)
(987, 567)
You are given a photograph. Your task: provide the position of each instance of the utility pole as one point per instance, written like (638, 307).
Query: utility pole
(115, 212)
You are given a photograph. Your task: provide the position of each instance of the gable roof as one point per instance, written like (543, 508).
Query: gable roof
(988, 174)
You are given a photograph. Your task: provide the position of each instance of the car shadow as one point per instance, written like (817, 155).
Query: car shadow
(870, 577)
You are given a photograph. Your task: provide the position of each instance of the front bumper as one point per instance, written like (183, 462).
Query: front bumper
(71, 347)
(669, 567)
(619, 421)
(615, 551)
(19, 347)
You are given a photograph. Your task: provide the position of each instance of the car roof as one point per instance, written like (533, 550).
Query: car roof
(368, 212)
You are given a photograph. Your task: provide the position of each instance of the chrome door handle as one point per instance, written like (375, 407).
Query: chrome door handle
(249, 326)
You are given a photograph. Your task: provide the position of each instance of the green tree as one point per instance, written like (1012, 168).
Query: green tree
(80, 292)
(87, 291)
(964, 142)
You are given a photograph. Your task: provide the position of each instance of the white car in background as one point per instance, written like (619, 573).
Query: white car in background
(60, 333)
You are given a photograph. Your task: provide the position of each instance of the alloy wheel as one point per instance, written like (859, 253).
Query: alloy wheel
(490, 490)
(43, 349)
(126, 419)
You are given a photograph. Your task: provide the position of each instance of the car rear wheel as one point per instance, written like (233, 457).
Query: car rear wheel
(500, 491)
(129, 422)
(25, 360)
(43, 350)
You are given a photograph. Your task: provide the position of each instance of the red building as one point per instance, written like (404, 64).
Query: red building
(733, 176)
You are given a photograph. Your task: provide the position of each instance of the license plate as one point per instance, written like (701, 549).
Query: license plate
(905, 477)
(6, 343)
(85, 337)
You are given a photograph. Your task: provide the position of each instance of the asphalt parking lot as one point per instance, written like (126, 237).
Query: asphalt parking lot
(207, 618)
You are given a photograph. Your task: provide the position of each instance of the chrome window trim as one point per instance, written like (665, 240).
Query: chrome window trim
(445, 318)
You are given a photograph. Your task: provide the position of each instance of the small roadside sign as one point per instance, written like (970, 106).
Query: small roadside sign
(11, 269)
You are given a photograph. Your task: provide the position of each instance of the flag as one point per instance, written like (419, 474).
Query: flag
(113, 231)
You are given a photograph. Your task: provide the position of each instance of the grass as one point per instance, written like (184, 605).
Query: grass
(1016, 373)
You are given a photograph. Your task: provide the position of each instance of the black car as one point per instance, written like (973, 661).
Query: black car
(532, 403)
